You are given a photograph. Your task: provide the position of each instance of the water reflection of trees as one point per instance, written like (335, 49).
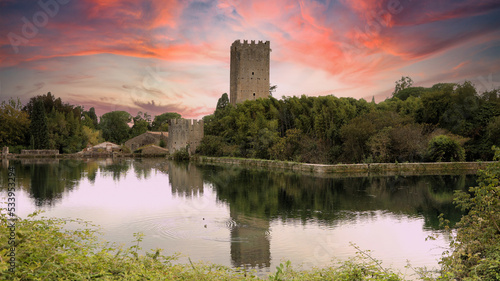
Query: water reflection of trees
(45, 180)
(257, 193)
(116, 168)
(284, 195)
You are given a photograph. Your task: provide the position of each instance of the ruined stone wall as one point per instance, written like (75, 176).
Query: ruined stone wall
(39, 152)
(184, 132)
(249, 76)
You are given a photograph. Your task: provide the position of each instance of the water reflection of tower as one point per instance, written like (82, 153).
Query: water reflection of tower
(250, 243)
(185, 179)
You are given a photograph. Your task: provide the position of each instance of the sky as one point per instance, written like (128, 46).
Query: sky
(173, 55)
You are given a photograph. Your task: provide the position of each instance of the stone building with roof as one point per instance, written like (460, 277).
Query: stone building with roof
(147, 138)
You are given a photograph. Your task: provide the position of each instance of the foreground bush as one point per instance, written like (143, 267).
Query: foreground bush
(476, 248)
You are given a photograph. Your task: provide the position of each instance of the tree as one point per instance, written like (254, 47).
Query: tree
(493, 131)
(222, 102)
(459, 115)
(142, 123)
(403, 83)
(212, 146)
(405, 93)
(91, 136)
(288, 147)
(114, 126)
(63, 122)
(435, 103)
(160, 122)
(38, 127)
(14, 123)
(368, 136)
(90, 118)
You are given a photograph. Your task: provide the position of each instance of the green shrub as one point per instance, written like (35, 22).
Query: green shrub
(476, 248)
(181, 154)
(212, 146)
(443, 148)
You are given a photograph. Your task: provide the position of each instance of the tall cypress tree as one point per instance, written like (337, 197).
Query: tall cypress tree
(38, 126)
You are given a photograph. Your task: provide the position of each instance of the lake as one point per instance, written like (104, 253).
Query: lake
(245, 218)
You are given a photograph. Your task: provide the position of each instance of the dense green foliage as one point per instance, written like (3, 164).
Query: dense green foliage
(46, 122)
(444, 148)
(14, 123)
(181, 154)
(327, 129)
(39, 132)
(114, 126)
(476, 248)
(142, 124)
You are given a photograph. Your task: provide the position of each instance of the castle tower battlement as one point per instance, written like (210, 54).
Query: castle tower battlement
(183, 133)
(249, 76)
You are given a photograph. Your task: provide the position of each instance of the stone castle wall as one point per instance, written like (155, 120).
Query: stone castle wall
(249, 76)
(184, 132)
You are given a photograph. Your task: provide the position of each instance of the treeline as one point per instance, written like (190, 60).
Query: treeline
(46, 122)
(446, 122)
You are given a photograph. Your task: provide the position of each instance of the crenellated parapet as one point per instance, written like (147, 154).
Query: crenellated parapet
(245, 45)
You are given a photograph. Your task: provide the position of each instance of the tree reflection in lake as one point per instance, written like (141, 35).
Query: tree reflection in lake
(256, 197)
(284, 195)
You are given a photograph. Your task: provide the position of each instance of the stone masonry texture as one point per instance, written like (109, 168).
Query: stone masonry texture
(249, 76)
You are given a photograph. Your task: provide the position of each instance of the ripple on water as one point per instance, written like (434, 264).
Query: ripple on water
(175, 227)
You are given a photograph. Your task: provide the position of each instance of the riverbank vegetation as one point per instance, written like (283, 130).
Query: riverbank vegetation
(67, 249)
(446, 122)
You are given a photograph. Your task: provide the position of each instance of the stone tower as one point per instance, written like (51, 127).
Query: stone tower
(249, 77)
(184, 133)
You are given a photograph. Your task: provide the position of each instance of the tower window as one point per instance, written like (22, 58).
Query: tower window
(254, 95)
(252, 73)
